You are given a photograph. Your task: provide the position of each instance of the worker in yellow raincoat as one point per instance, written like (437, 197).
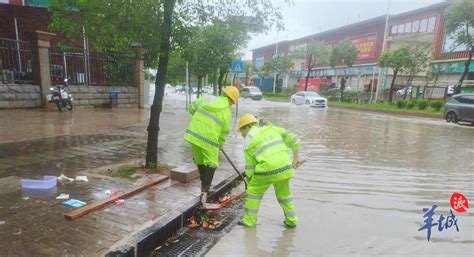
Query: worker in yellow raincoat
(267, 162)
(207, 132)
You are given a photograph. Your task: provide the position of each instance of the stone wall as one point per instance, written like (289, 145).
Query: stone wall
(19, 96)
(28, 96)
(97, 95)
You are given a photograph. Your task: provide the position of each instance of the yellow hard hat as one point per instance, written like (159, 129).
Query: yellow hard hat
(247, 119)
(232, 92)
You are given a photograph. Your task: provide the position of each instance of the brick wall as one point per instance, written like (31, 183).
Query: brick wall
(97, 95)
(28, 96)
(29, 19)
(19, 96)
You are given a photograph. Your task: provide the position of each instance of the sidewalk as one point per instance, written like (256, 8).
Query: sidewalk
(35, 226)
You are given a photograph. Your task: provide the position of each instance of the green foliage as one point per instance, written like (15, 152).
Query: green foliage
(344, 53)
(128, 171)
(422, 104)
(437, 105)
(317, 51)
(460, 22)
(401, 104)
(398, 59)
(411, 105)
(112, 25)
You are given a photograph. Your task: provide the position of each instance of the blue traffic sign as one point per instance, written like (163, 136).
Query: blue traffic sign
(237, 66)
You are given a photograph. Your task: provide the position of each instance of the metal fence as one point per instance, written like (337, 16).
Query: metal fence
(91, 68)
(16, 61)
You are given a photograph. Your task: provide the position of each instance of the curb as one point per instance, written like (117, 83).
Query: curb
(148, 239)
(393, 112)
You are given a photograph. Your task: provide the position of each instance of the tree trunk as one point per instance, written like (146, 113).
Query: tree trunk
(390, 95)
(465, 72)
(199, 86)
(154, 125)
(215, 81)
(343, 85)
(276, 81)
(309, 71)
(221, 80)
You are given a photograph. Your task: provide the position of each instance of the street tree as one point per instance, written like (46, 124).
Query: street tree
(460, 23)
(315, 54)
(343, 54)
(159, 26)
(278, 65)
(265, 71)
(420, 55)
(398, 60)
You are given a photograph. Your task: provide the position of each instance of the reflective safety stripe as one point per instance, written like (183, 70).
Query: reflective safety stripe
(256, 197)
(293, 141)
(273, 172)
(249, 167)
(252, 211)
(289, 213)
(196, 135)
(210, 116)
(265, 147)
(286, 133)
(286, 200)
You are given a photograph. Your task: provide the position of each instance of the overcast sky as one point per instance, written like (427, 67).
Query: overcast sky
(305, 17)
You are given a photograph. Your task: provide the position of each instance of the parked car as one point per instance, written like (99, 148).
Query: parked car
(407, 91)
(253, 93)
(460, 108)
(180, 89)
(311, 98)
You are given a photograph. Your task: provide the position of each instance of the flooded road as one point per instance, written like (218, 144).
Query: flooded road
(364, 186)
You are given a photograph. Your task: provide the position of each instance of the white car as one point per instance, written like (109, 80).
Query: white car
(311, 98)
(253, 93)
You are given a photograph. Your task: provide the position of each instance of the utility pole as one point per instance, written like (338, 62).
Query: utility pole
(383, 48)
(276, 56)
(186, 90)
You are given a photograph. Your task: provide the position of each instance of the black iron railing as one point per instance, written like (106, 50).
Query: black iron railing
(92, 68)
(16, 61)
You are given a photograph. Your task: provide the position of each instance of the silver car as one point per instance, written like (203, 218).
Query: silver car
(309, 97)
(460, 108)
(253, 93)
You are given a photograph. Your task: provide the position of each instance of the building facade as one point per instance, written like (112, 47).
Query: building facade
(424, 27)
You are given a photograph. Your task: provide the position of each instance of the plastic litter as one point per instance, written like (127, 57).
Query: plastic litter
(26, 198)
(46, 183)
(82, 178)
(74, 203)
(63, 197)
(104, 194)
(120, 202)
(63, 178)
(2, 222)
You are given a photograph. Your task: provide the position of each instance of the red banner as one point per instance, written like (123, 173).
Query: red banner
(365, 45)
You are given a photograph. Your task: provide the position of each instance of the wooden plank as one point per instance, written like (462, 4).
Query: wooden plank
(101, 203)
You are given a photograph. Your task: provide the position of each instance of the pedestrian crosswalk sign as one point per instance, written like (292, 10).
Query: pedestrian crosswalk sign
(237, 66)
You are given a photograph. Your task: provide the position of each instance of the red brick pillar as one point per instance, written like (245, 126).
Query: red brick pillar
(41, 63)
(139, 78)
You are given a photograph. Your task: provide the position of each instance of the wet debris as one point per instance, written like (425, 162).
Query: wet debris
(208, 219)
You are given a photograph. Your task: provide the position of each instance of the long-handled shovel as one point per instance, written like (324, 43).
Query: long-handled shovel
(216, 206)
(235, 168)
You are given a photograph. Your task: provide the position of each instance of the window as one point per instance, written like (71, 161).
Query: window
(423, 25)
(393, 31)
(466, 99)
(408, 27)
(431, 24)
(400, 29)
(299, 94)
(415, 26)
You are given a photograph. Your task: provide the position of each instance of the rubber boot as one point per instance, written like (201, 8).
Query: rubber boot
(207, 178)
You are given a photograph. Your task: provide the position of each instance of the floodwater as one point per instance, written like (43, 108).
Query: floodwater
(364, 186)
(29, 124)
